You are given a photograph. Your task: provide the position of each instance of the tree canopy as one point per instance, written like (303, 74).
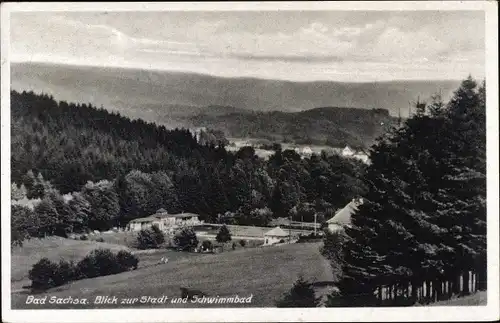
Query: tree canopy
(425, 210)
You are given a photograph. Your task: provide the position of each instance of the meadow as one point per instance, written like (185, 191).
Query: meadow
(265, 272)
(53, 248)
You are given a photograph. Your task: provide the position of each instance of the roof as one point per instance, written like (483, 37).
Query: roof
(157, 216)
(146, 219)
(344, 215)
(182, 215)
(277, 232)
(167, 215)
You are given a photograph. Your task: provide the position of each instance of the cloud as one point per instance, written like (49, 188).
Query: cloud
(395, 46)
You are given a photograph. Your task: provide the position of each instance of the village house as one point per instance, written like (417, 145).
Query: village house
(306, 151)
(276, 235)
(361, 155)
(343, 217)
(164, 221)
(347, 152)
(351, 153)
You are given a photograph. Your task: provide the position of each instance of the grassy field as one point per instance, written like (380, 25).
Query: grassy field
(479, 298)
(125, 238)
(236, 230)
(54, 248)
(265, 272)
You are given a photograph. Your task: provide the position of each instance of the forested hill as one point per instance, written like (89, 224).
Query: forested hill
(328, 125)
(71, 144)
(117, 169)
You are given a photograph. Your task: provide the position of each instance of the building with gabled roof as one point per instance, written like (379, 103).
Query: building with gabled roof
(343, 217)
(164, 221)
(347, 151)
(276, 235)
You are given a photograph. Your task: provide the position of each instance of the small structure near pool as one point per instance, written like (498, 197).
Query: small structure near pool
(276, 235)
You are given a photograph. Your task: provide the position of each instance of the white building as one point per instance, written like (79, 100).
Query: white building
(347, 151)
(164, 221)
(343, 217)
(306, 151)
(362, 156)
(276, 235)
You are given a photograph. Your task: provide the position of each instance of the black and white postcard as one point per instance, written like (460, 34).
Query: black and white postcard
(250, 161)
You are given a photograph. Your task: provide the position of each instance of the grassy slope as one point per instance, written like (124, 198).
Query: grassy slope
(479, 298)
(125, 238)
(264, 272)
(54, 248)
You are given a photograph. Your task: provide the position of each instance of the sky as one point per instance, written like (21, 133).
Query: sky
(349, 46)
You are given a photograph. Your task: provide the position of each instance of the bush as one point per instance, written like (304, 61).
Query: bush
(126, 260)
(100, 262)
(300, 295)
(223, 235)
(100, 239)
(243, 243)
(333, 248)
(150, 238)
(42, 274)
(65, 272)
(207, 245)
(186, 239)
(84, 237)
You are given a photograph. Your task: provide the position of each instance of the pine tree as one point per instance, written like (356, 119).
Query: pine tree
(300, 295)
(424, 216)
(63, 222)
(22, 224)
(81, 210)
(104, 204)
(47, 216)
(223, 235)
(29, 181)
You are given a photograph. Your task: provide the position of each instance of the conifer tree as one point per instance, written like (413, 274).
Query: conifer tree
(223, 235)
(300, 295)
(424, 214)
(81, 210)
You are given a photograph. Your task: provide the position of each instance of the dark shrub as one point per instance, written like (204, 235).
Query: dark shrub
(282, 241)
(223, 235)
(100, 239)
(150, 238)
(186, 239)
(243, 243)
(42, 274)
(86, 268)
(126, 260)
(64, 273)
(207, 245)
(301, 295)
(84, 237)
(99, 262)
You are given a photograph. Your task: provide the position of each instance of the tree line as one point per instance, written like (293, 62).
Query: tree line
(93, 170)
(424, 217)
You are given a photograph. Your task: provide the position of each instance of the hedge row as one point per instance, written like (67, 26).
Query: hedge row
(100, 262)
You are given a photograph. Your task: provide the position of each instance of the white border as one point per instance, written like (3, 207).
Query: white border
(469, 313)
